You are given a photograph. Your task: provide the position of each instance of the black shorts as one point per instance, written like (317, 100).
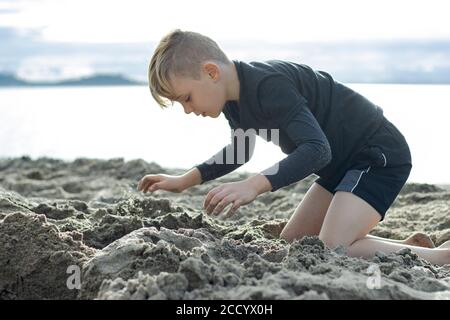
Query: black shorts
(377, 172)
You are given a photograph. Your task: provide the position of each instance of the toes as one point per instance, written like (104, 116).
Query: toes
(422, 240)
(446, 244)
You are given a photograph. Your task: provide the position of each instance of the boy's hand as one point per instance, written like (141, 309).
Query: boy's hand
(237, 193)
(153, 182)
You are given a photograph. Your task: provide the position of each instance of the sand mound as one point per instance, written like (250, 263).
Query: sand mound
(305, 270)
(87, 213)
(35, 256)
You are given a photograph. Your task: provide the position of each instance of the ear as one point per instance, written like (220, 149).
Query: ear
(212, 70)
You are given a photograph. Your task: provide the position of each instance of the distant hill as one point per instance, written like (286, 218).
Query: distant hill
(10, 80)
(395, 76)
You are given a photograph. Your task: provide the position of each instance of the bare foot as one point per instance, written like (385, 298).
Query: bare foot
(420, 239)
(446, 244)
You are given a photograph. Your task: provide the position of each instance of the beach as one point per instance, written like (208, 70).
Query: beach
(81, 230)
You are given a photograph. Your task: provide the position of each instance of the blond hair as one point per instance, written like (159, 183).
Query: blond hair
(180, 53)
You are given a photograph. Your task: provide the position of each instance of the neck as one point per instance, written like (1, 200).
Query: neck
(232, 83)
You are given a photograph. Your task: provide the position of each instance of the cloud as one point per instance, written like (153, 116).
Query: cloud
(134, 21)
(370, 42)
(54, 68)
(28, 55)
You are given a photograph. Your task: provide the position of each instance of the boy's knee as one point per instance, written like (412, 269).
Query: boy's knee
(328, 241)
(286, 235)
(332, 241)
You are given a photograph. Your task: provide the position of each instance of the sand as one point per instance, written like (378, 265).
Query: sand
(87, 214)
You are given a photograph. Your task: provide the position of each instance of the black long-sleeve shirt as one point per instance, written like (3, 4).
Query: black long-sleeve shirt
(320, 122)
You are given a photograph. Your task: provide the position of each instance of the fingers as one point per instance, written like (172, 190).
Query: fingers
(217, 209)
(210, 196)
(232, 210)
(139, 187)
(147, 184)
(221, 205)
(155, 187)
(214, 202)
(143, 183)
(152, 187)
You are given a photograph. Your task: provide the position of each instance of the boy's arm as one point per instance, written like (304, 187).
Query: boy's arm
(280, 99)
(259, 183)
(191, 178)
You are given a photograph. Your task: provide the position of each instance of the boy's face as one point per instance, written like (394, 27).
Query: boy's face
(206, 96)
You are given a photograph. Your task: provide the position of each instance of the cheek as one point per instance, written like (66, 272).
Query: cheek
(217, 98)
(208, 99)
(213, 97)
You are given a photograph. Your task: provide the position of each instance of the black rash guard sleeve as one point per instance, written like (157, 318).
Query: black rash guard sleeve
(287, 108)
(231, 157)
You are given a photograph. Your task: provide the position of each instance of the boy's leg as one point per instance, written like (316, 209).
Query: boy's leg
(349, 218)
(348, 221)
(367, 247)
(308, 216)
(446, 244)
(418, 239)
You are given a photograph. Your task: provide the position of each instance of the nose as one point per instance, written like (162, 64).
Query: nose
(188, 110)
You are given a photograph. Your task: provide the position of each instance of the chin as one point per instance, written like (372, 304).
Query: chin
(215, 115)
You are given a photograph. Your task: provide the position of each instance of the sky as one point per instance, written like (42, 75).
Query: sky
(66, 38)
(96, 21)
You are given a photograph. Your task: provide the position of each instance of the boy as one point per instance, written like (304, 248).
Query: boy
(326, 128)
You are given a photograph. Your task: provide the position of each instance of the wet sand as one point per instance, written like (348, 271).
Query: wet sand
(87, 214)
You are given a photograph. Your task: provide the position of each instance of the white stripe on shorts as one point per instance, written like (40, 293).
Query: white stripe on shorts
(385, 160)
(365, 171)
